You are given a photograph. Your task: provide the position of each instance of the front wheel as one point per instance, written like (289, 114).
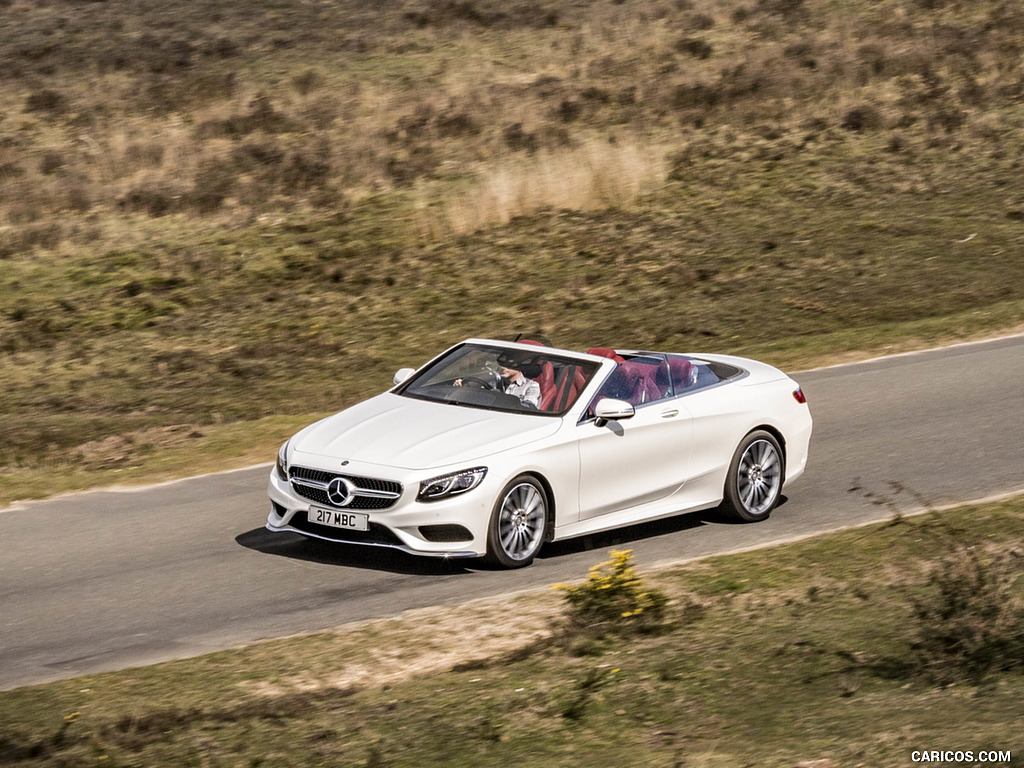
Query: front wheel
(754, 483)
(518, 523)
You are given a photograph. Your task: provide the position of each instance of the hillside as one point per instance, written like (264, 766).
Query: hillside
(211, 213)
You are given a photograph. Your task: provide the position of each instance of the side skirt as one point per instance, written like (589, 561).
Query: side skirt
(632, 516)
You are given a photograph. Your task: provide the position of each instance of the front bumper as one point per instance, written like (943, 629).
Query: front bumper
(398, 527)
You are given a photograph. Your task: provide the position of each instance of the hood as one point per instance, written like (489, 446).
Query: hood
(403, 432)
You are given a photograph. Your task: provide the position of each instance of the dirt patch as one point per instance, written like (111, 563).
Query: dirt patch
(127, 449)
(419, 642)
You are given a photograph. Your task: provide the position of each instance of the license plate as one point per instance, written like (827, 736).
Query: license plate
(337, 519)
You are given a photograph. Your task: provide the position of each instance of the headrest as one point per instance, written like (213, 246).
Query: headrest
(511, 360)
(532, 369)
(634, 371)
(602, 352)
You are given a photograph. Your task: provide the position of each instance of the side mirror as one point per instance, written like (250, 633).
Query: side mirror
(612, 410)
(403, 374)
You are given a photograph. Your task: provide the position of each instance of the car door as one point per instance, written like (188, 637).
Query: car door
(635, 461)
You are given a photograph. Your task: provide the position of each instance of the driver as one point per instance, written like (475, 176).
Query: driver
(513, 382)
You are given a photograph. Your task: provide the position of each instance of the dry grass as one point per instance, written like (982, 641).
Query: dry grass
(196, 206)
(432, 91)
(595, 175)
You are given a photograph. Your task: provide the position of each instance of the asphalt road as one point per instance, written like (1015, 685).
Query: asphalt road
(106, 580)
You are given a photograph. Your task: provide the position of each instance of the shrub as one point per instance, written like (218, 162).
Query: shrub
(614, 598)
(258, 153)
(10, 171)
(420, 160)
(262, 116)
(308, 81)
(785, 8)
(46, 100)
(305, 170)
(46, 235)
(694, 46)
(862, 118)
(76, 196)
(569, 110)
(51, 162)
(214, 180)
(150, 199)
(516, 138)
(452, 124)
(701, 21)
(322, 111)
(696, 96)
(970, 622)
(948, 118)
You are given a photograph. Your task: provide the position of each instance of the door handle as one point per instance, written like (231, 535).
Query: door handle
(669, 413)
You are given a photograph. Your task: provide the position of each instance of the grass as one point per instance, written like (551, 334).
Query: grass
(800, 654)
(265, 216)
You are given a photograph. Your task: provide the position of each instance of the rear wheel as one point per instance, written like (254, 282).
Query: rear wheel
(754, 483)
(518, 523)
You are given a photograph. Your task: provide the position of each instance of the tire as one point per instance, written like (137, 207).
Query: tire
(753, 486)
(518, 523)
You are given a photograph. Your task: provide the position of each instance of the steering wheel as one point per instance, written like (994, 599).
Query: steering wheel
(474, 383)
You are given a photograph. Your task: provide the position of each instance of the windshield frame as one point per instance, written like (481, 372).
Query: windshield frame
(590, 369)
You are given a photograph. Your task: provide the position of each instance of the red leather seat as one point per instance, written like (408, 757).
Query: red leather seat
(639, 382)
(543, 373)
(684, 373)
(609, 353)
(569, 381)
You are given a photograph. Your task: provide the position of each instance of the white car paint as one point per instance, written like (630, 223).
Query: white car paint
(415, 434)
(671, 457)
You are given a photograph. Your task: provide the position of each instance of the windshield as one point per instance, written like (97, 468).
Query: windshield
(500, 379)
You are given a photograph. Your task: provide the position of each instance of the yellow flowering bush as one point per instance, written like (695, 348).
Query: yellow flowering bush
(614, 596)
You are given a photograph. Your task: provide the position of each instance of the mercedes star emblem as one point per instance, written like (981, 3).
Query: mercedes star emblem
(339, 491)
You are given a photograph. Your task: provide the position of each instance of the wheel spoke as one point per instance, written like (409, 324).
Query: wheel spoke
(517, 496)
(744, 484)
(524, 542)
(748, 496)
(532, 501)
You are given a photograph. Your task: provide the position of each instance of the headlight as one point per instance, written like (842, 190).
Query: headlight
(282, 460)
(451, 485)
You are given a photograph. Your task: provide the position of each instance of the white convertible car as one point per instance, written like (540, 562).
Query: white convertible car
(493, 448)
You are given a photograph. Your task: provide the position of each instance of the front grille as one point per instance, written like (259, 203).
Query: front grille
(358, 502)
(298, 474)
(378, 534)
(320, 476)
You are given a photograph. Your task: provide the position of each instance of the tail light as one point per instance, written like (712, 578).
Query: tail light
(798, 395)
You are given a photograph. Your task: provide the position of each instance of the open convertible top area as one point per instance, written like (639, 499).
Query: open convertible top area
(561, 375)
